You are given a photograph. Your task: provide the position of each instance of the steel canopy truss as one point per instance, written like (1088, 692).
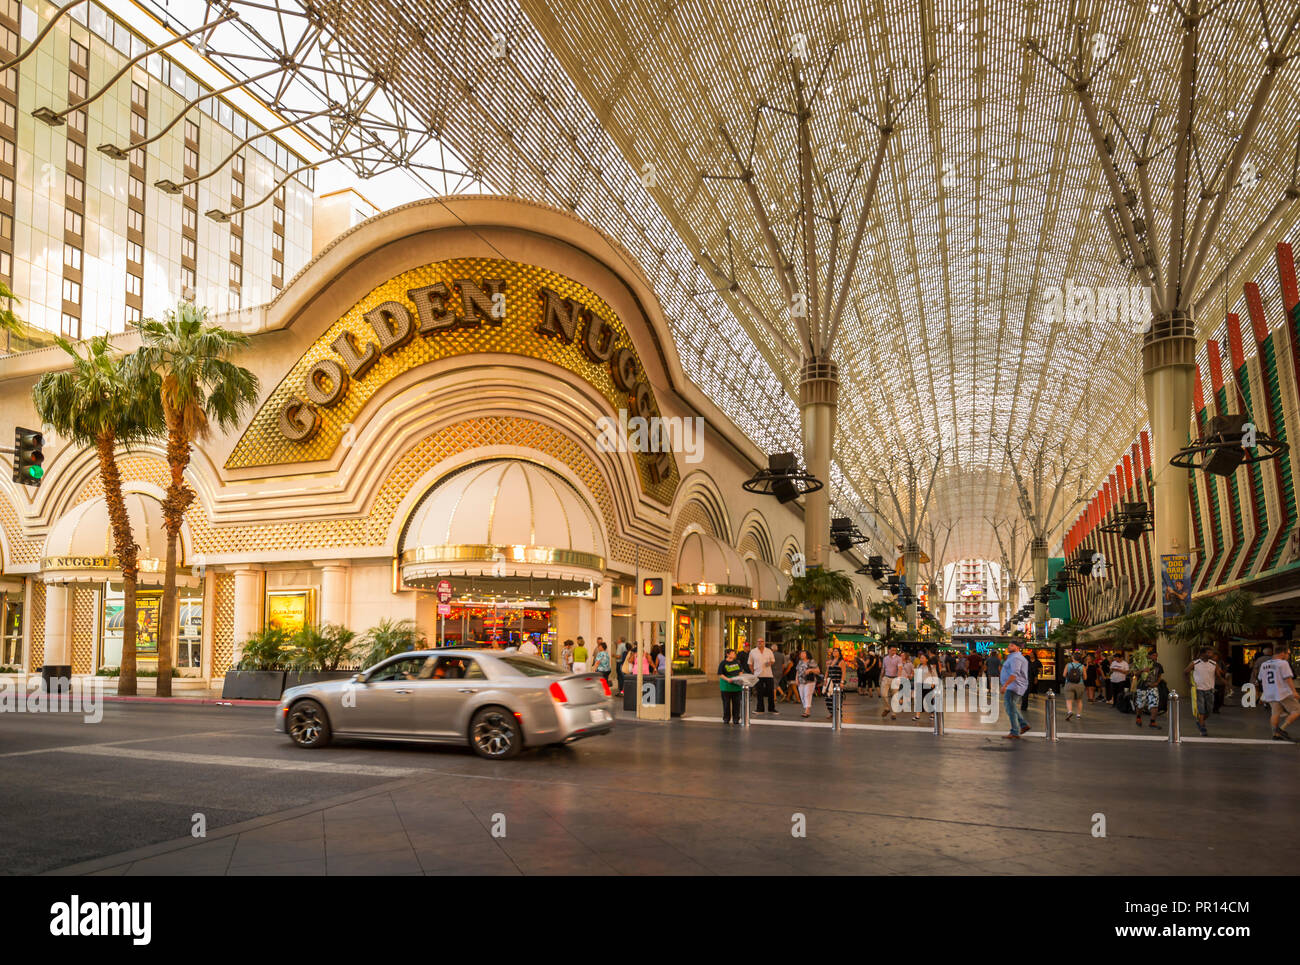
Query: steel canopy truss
(991, 192)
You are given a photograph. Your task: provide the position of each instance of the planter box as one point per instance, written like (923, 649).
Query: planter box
(253, 685)
(295, 678)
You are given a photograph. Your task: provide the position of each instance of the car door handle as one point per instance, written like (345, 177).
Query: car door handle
(401, 691)
(466, 690)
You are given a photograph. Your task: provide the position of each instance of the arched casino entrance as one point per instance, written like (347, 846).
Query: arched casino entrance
(520, 545)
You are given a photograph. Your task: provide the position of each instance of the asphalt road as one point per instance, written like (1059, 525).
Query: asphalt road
(873, 801)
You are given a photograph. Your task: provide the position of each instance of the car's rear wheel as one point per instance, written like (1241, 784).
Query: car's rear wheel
(307, 724)
(495, 734)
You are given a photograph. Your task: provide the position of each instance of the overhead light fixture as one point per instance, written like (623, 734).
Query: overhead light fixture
(845, 534)
(1231, 441)
(1130, 521)
(783, 479)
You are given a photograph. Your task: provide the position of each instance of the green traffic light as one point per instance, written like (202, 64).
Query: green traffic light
(35, 472)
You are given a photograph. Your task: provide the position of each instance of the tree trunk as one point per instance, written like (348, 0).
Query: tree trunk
(819, 631)
(124, 546)
(175, 503)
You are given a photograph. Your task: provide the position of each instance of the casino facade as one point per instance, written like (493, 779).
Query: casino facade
(434, 386)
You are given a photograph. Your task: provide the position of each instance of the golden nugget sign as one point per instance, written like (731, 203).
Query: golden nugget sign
(451, 308)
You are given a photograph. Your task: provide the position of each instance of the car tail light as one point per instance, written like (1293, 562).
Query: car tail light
(604, 685)
(557, 692)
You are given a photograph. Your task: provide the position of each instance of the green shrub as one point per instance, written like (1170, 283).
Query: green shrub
(115, 671)
(389, 637)
(322, 648)
(266, 650)
(10, 670)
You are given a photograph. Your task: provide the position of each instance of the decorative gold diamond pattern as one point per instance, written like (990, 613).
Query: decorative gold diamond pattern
(263, 444)
(85, 599)
(36, 615)
(372, 529)
(21, 549)
(223, 627)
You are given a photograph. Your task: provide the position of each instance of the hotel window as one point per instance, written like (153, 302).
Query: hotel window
(72, 256)
(236, 245)
(191, 131)
(8, 114)
(132, 314)
(6, 264)
(237, 190)
(8, 78)
(189, 218)
(238, 164)
(134, 252)
(71, 291)
(277, 216)
(134, 284)
(72, 222)
(76, 87)
(139, 95)
(237, 221)
(79, 54)
(236, 275)
(277, 269)
(187, 280)
(6, 151)
(135, 220)
(6, 226)
(71, 325)
(191, 158)
(6, 188)
(188, 246)
(76, 154)
(191, 191)
(139, 125)
(75, 187)
(235, 301)
(135, 187)
(77, 121)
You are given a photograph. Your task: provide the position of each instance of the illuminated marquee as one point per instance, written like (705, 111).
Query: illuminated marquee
(451, 308)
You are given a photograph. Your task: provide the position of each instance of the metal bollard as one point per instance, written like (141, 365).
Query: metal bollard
(938, 722)
(1175, 722)
(744, 704)
(837, 706)
(1050, 711)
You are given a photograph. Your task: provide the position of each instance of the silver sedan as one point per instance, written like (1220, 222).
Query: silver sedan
(494, 700)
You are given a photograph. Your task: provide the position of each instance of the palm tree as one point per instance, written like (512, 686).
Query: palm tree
(815, 589)
(1214, 621)
(886, 611)
(199, 386)
(9, 321)
(1067, 634)
(97, 402)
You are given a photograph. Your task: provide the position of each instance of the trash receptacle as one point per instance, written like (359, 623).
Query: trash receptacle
(57, 678)
(653, 687)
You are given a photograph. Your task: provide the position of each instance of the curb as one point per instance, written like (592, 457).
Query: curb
(146, 699)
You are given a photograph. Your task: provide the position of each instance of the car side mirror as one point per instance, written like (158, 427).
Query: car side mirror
(358, 678)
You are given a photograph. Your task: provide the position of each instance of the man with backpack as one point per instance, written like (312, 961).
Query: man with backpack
(1073, 687)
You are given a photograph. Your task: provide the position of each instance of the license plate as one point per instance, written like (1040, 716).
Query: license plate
(600, 716)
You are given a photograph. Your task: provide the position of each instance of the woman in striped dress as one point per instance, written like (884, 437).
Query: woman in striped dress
(834, 679)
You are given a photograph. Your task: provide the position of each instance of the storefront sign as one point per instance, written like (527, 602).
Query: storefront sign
(289, 610)
(457, 307)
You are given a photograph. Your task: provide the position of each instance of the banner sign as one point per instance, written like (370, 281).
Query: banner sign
(1175, 587)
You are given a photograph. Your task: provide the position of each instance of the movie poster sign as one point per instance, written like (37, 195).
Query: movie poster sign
(289, 610)
(1175, 587)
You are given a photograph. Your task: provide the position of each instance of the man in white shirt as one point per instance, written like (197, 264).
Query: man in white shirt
(1279, 690)
(1118, 676)
(1205, 674)
(760, 665)
(528, 647)
(890, 668)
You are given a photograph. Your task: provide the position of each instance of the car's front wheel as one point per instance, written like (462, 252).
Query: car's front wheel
(307, 724)
(495, 734)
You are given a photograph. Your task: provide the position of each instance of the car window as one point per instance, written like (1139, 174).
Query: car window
(408, 668)
(530, 666)
(457, 668)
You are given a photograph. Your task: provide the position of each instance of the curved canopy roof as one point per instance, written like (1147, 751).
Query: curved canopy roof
(992, 195)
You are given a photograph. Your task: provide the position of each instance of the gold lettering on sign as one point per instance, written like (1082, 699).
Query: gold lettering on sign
(559, 316)
(622, 366)
(358, 363)
(298, 420)
(392, 325)
(480, 303)
(598, 338)
(326, 382)
(431, 307)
